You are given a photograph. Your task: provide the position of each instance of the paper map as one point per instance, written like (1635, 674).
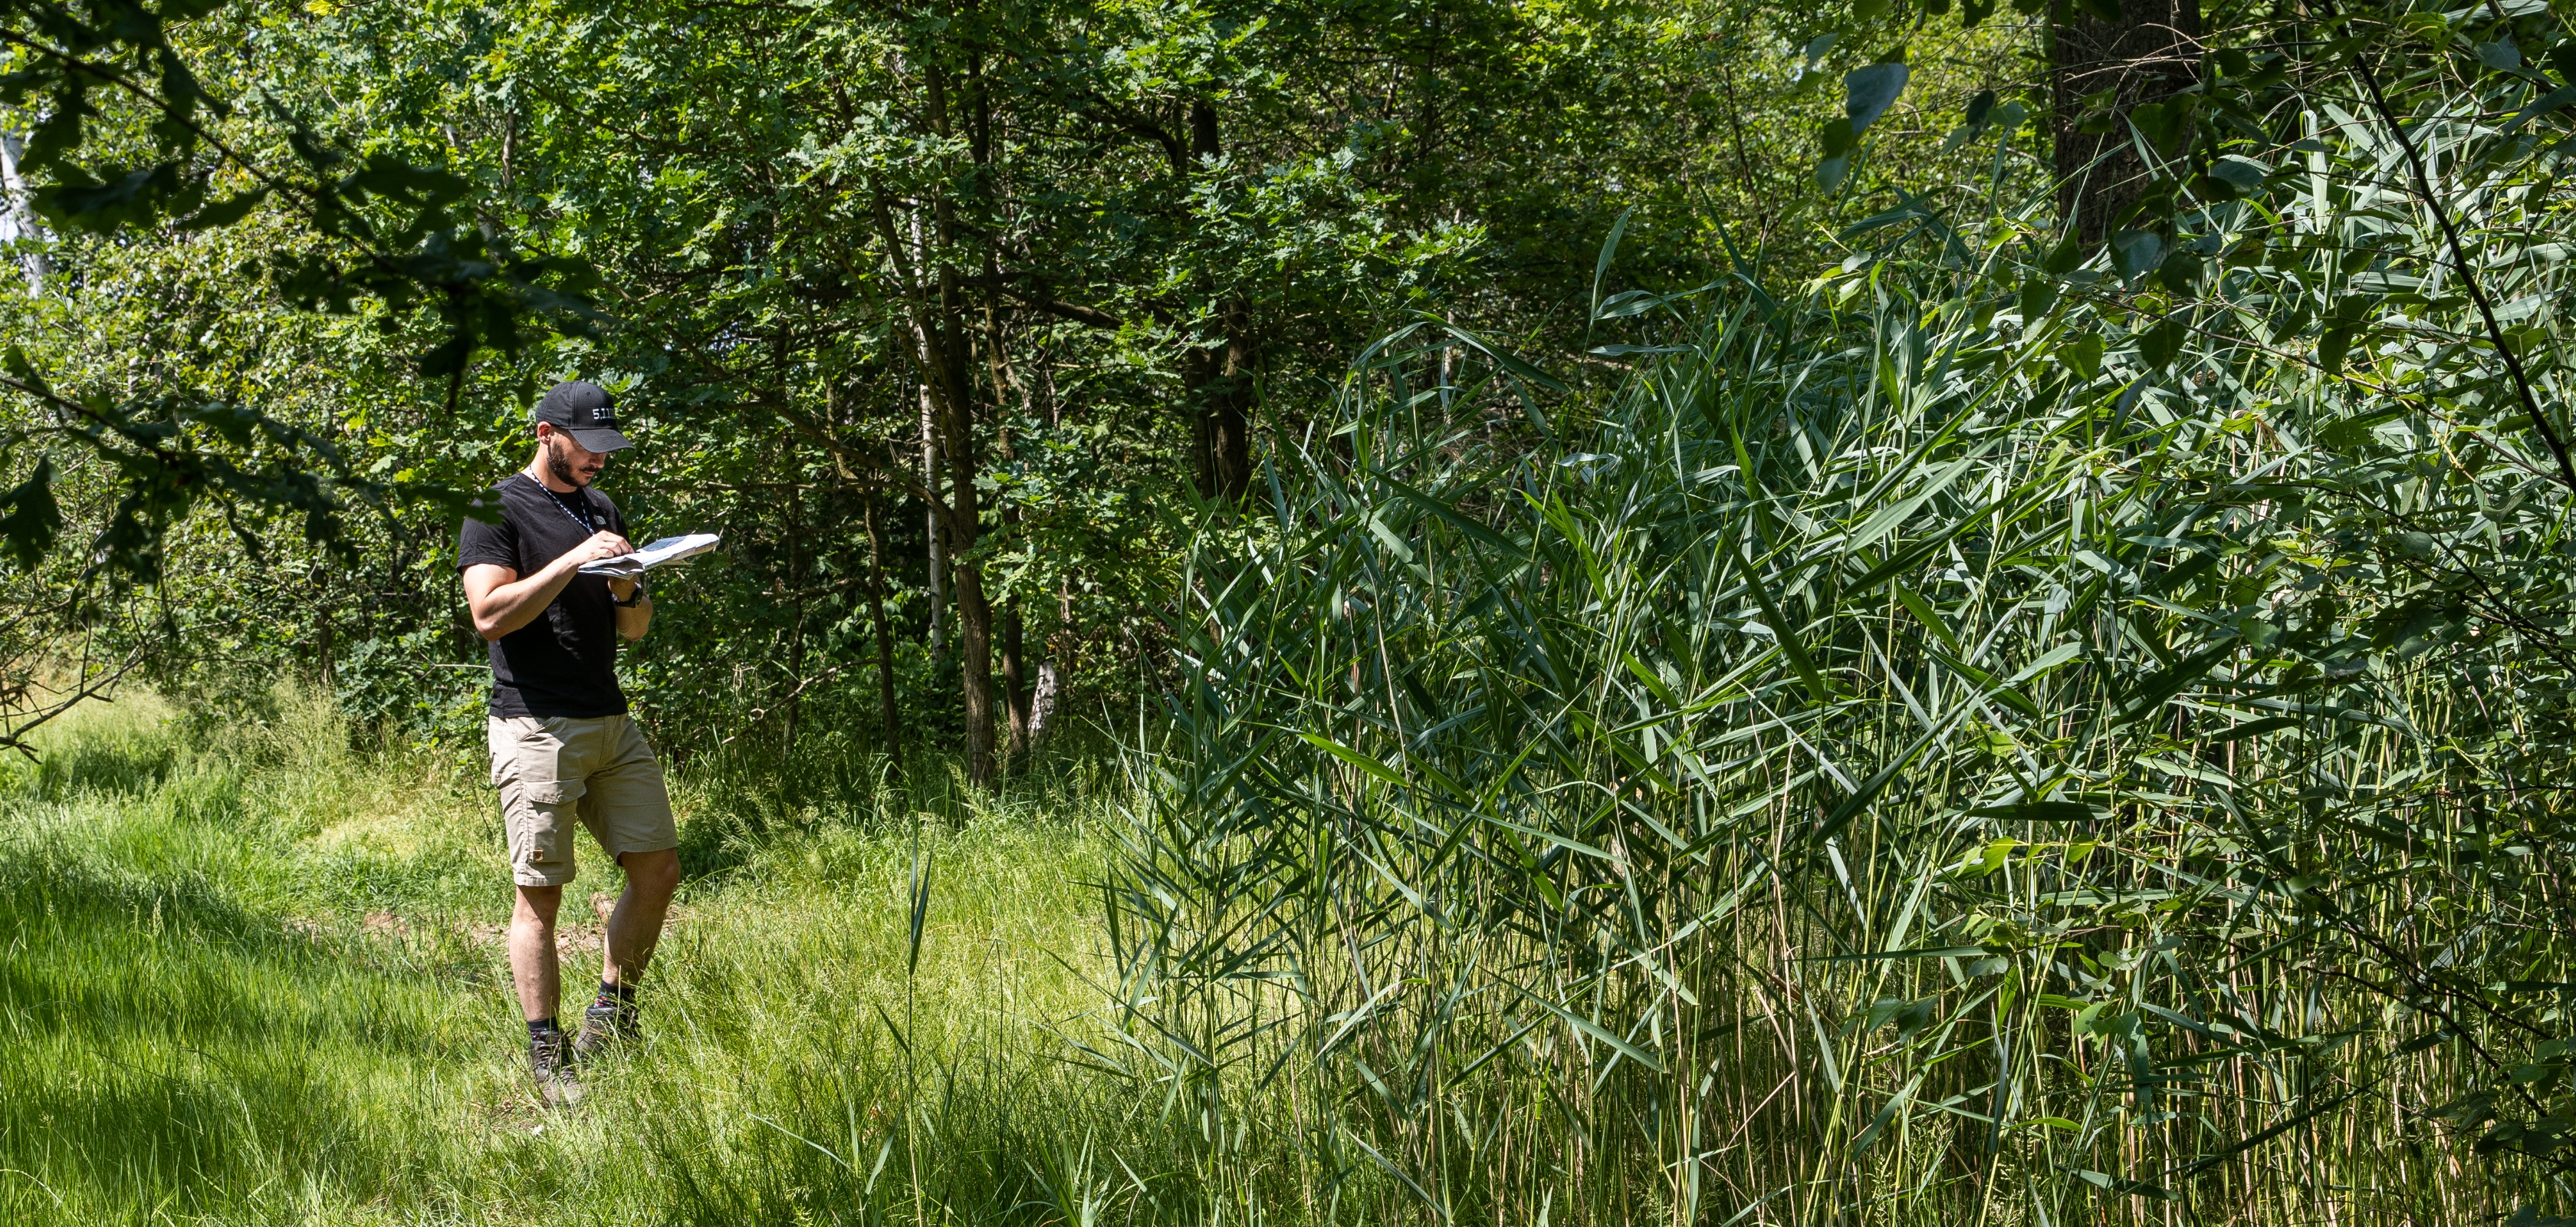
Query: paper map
(668, 549)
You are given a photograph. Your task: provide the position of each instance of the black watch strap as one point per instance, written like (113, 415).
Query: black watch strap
(632, 601)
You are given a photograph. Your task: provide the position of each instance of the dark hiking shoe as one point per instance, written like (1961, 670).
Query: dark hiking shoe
(550, 1060)
(604, 1026)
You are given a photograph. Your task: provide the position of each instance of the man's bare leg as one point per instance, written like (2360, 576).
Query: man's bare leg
(532, 951)
(635, 925)
(533, 972)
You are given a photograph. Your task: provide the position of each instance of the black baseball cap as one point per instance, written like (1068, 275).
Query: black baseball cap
(585, 411)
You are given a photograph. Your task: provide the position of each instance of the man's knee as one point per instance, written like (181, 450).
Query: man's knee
(539, 903)
(655, 872)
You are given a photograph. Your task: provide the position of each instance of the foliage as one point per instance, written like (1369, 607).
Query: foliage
(675, 164)
(1919, 678)
(2000, 730)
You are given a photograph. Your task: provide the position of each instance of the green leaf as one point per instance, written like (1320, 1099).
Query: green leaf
(2243, 174)
(1868, 92)
(1942, 952)
(1609, 252)
(2256, 728)
(2037, 295)
(1979, 108)
(1925, 614)
(2356, 430)
(1785, 633)
(2152, 693)
(2181, 272)
(2160, 345)
(14, 361)
(2546, 103)
(1836, 136)
(2165, 124)
(2067, 256)
(399, 180)
(32, 520)
(225, 212)
(2039, 811)
(2331, 349)
(77, 202)
(2083, 355)
(1353, 757)
(2137, 253)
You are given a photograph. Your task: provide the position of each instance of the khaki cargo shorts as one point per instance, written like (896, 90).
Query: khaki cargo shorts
(554, 770)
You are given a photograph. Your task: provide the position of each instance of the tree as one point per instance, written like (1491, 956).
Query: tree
(2108, 59)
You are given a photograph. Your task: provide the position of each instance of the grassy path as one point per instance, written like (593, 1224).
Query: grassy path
(264, 985)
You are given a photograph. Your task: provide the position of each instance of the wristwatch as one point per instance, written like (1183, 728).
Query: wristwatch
(632, 601)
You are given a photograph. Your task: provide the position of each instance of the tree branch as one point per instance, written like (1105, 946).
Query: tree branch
(2468, 276)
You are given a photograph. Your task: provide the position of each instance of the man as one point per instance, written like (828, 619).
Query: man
(563, 750)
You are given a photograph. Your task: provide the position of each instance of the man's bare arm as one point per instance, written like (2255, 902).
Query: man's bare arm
(502, 602)
(631, 622)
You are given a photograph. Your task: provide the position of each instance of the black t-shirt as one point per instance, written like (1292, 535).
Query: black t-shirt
(565, 662)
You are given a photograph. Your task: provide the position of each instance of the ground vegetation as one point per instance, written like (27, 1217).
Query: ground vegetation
(1888, 613)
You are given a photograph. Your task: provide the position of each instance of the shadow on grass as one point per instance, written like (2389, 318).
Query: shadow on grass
(116, 767)
(170, 1047)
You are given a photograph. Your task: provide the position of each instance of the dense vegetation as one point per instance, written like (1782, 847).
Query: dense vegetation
(1891, 613)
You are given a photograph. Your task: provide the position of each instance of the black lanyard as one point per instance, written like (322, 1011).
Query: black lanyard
(582, 518)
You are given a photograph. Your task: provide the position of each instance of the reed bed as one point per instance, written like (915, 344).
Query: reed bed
(1917, 754)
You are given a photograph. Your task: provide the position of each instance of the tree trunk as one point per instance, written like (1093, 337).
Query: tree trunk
(975, 636)
(1220, 380)
(795, 636)
(885, 640)
(1015, 691)
(17, 221)
(930, 479)
(2150, 55)
(1050, 687)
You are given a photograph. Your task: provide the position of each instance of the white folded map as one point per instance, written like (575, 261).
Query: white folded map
(668, 549)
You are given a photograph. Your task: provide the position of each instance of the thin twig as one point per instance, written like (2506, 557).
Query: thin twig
(2468, 275)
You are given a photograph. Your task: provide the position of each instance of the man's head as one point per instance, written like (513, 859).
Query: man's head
(576, 429)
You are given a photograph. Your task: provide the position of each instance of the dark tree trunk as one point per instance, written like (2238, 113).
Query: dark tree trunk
(943, 344)
(975, 637)
(2151, 54)
(885, 640)
(974, 612)
(1015, 691)
(1220, 379)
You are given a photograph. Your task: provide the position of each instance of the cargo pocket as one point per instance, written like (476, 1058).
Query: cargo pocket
(540, 827)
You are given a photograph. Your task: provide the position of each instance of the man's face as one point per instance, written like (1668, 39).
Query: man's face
(570, 462)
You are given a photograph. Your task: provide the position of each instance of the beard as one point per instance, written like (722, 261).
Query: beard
(561, 469)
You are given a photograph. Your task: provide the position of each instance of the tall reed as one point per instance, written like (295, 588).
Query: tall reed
(1912, 756)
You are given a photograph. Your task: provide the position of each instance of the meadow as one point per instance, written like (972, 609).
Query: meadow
(260, 981)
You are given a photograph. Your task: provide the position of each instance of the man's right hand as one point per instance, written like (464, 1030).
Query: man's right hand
(602, 544)
(502, 602)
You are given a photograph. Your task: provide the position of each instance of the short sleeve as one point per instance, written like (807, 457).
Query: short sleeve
(480, 543)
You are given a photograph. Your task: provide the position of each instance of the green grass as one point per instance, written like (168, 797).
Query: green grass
(262, 983)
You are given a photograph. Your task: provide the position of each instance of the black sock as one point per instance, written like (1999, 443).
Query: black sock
(620, 995)
(543, 1028)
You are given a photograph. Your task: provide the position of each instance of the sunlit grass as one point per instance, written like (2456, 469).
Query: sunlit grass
(262, 983)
